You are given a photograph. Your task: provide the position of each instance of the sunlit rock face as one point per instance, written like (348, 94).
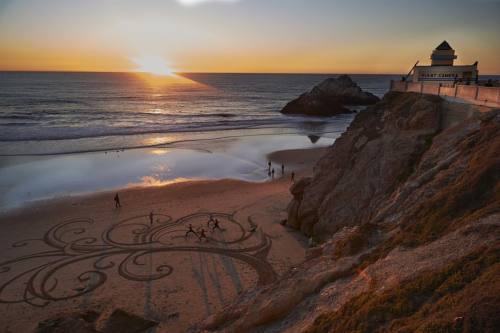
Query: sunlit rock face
(329, 98)
(367, 163)
(346, 91)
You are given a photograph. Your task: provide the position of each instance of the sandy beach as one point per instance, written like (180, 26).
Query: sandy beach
(80, 253)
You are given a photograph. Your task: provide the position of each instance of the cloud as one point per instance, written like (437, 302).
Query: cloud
(197, 2)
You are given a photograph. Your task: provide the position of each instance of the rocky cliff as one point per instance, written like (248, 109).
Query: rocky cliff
(406, 207)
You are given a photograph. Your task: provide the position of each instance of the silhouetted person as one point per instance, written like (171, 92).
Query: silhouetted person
(269, 167)
(293, 176)
(272, 172)
(190, 231)
(282, 169)
(117, 201)
(202, 235)
(151, 215)
(210, 221)
(216, 225)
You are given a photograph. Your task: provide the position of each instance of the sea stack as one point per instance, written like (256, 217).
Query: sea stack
(330, 97)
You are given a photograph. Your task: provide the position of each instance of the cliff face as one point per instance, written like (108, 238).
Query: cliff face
(407, 204)
(366, 164)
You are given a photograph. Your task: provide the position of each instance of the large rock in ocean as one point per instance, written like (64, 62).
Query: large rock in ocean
(330, 97)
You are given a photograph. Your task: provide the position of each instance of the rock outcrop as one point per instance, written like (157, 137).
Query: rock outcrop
(329, 98)
(119, 321)
(407, 206)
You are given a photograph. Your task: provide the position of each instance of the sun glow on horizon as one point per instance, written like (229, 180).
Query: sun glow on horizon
(152, 65)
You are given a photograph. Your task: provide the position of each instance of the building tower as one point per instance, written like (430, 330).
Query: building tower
(443, 55)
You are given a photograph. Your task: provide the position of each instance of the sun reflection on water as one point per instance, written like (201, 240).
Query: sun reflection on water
(159, 151)
(151, 181)
(157, 82)
(157, 141)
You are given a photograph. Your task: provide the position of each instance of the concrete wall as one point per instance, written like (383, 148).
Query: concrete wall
(398, 86)
(478, 95)
(489, 94)
(447, 91)
(432, 89)
(414, 87)
(467, 92)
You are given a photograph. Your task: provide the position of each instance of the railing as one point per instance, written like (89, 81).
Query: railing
(478, 95)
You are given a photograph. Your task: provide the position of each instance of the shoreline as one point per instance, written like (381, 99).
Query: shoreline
(303, 159)
(41, 178)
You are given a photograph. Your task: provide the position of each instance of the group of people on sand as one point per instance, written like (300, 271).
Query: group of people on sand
(213, 223)
(270, 171)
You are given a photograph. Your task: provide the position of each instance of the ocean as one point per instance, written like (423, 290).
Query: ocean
(63, 134)
(62, 106)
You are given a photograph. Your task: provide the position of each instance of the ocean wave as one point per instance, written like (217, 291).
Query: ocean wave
(67, 133)
(177, 144)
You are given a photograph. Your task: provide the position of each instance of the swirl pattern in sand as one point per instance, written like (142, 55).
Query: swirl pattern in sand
(74, 259)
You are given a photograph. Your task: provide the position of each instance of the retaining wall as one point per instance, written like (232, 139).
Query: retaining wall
(478, 95)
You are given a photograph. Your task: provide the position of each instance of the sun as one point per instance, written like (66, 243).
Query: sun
(153, 65)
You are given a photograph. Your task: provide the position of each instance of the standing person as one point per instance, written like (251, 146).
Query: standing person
(282, 169)
(151, 218)
(293, 176)
(117, 201)
(269, 167)
(216, 225)
(210, 221)
(202, 235)
(190, 231)
(272, 172)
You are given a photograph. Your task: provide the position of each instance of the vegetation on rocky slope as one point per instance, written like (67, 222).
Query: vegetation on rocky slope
(457, 298)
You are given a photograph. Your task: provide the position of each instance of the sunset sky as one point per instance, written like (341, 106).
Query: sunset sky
(326, 36)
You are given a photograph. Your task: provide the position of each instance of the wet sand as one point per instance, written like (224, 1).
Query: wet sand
(83, 254)
(301, 159)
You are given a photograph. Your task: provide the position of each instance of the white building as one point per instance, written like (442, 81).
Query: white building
(442, 71)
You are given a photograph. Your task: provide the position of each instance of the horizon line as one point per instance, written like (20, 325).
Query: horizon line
(209, 72)
(189, 72)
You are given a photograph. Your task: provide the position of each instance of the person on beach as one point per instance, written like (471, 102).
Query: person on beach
(210, 221)
(282, 169)
(117, 201)
(190, 231)
(293, 176)
(269, 167)
(202, 235)
(216, 225)
(151, 215)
